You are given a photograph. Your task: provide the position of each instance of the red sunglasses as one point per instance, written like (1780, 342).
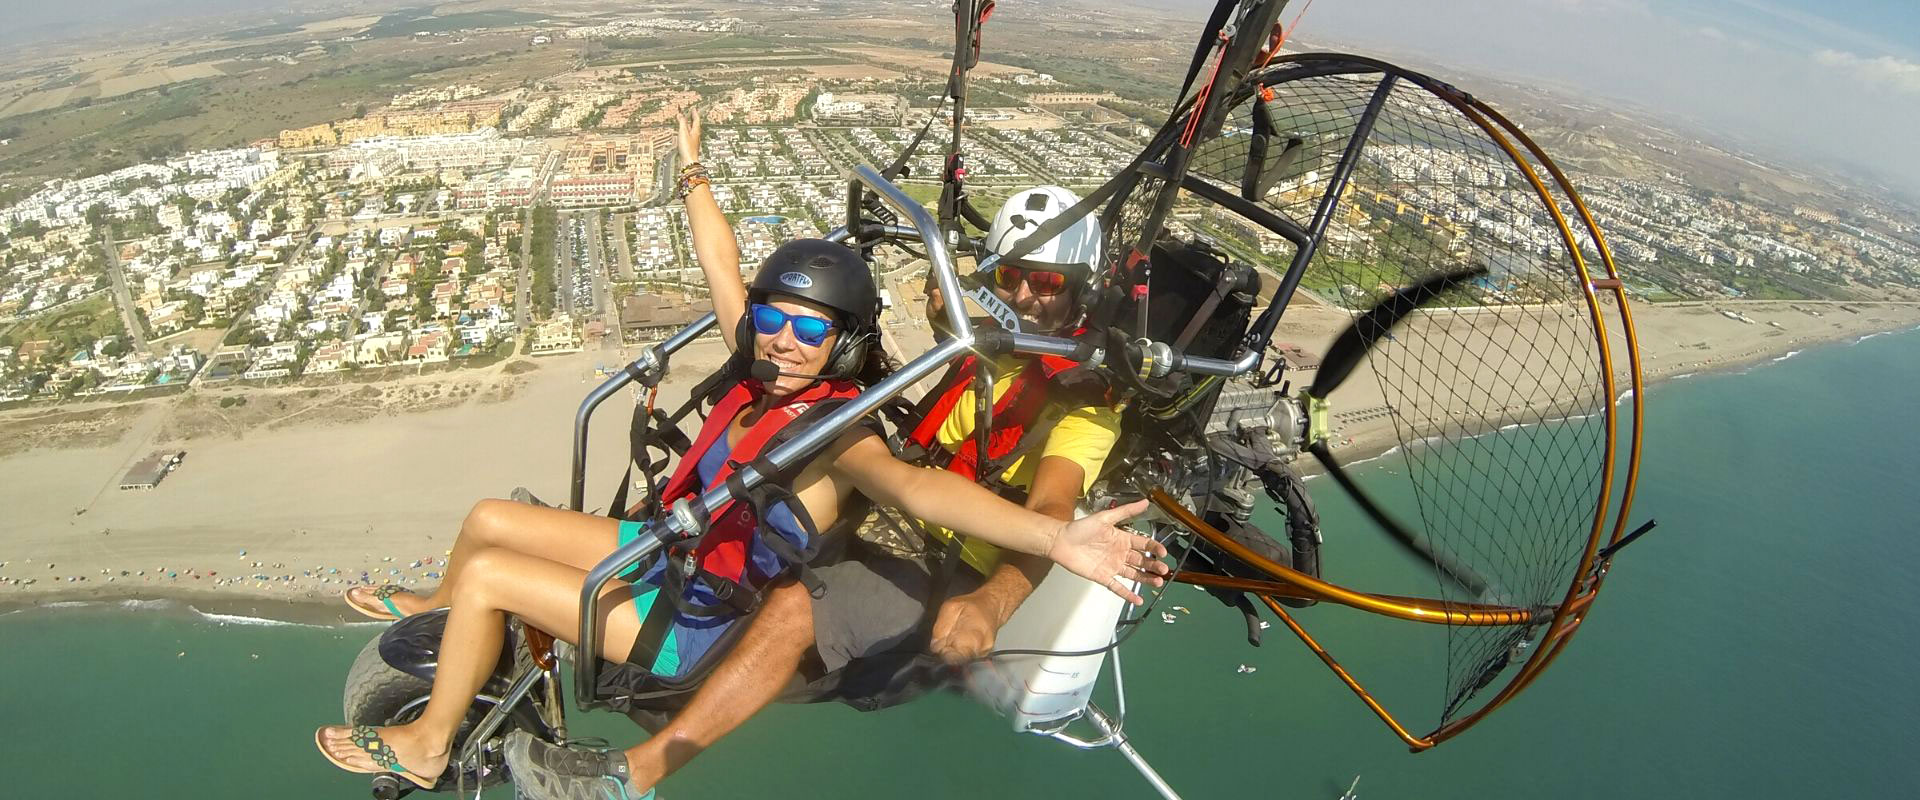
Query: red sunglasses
(1044, 284)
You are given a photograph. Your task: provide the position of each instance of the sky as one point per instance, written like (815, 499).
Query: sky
(1806, 82)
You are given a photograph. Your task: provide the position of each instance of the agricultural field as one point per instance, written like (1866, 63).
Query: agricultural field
(246, 100)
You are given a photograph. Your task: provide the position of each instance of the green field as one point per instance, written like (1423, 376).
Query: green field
(412, 21)
(542, 231)
(680, 48)
(71, 327)
(263, 30)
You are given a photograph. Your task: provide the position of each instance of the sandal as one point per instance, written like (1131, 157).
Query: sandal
(384, 594)
(369, 741)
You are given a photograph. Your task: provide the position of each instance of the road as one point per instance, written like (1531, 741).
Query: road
(834, 149)
(624, 263)
(272, 279)
(664, 172)
(563, 261)
(122, 296)
(597, 261)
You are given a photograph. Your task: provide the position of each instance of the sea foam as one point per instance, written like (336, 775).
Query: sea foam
(165, 606)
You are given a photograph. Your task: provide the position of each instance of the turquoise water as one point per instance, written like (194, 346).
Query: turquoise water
(1755, 645)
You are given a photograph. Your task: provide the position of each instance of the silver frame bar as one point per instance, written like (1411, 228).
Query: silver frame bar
(652, 360)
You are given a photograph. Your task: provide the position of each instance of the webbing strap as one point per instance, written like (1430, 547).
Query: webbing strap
(1216, 22)
(936, 405)
(647, 431)
(796, 557)
(655, 625)
(899, 164)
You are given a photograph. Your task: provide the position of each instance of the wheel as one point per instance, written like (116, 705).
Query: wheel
(378, 694)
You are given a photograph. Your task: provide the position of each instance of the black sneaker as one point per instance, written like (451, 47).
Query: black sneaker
(542, 771)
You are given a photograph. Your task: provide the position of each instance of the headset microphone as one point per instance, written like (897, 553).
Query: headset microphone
(766, 371)
(763, 371)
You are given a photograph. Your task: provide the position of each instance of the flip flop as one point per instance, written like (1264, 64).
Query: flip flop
(369, 742)
(384, 594)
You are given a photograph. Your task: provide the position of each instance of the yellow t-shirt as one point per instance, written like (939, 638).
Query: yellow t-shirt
(1083, 435)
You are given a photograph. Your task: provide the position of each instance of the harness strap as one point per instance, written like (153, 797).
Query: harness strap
(797, 557)
(935, 407)
(899, 165)
(1016, 410)
(660, 430)
(1204, 314)
(710, 564)
(653, 632)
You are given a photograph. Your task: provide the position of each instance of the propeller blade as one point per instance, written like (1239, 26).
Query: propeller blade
(1284, 165)
(1462, 575)
(1353, 344)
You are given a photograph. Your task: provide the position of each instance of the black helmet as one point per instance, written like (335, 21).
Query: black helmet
(834, 276)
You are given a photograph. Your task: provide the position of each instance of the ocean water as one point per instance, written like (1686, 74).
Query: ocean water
(1756, 645)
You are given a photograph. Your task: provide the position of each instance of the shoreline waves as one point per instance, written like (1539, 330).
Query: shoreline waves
(197, 607)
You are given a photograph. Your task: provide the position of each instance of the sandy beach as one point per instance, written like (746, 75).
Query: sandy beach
(285, 501)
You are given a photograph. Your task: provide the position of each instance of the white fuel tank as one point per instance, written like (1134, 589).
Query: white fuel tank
(1066, 613)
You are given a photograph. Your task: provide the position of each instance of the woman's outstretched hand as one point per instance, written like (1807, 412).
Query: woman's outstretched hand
(689, 137)
(1095, 548)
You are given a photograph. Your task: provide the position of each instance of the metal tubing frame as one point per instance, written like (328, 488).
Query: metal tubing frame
(657, 532)
(1285, 228)
(1417, 743)
(1030, 344)
(1263, 327)
(1413, 609)
(522, 685)
(1580, 595)
(1566, 617)
(1117, 739)
(1293, 583)
(653, 359)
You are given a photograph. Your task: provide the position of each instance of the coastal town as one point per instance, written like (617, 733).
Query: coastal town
(460, 223)
(479, 248)
(338, 341)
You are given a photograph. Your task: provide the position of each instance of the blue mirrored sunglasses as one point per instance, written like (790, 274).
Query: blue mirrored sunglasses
(811, 331)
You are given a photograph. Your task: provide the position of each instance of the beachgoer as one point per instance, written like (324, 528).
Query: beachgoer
(802, 314)
(874, 604)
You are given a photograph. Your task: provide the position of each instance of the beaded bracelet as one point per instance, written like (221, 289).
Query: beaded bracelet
(688, 183)
(692, 175)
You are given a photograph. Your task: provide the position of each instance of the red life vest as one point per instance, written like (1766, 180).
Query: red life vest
(1017, 409)
(725, 550)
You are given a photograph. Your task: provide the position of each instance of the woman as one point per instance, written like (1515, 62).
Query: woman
(807, 315)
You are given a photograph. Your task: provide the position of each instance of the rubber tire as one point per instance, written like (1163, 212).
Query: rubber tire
(378, 694)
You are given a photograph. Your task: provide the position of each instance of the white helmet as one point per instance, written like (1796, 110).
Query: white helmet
(1076, 249)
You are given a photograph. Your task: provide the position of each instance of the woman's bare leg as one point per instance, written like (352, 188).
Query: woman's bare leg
(497, 582)
(567, 537)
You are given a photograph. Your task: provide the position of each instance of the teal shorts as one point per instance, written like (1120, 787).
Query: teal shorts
(629, 531)
(644, 595)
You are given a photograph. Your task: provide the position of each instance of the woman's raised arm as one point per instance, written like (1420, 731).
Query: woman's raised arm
(713, 243)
